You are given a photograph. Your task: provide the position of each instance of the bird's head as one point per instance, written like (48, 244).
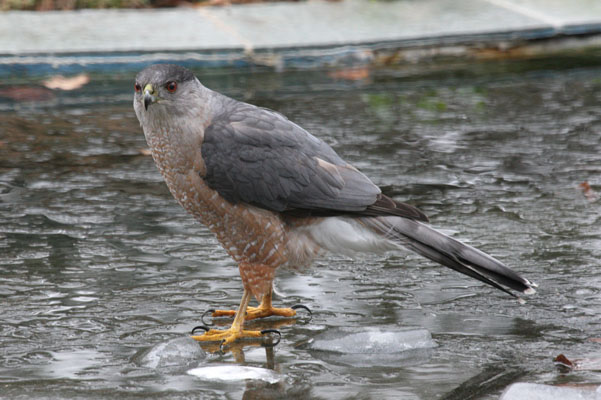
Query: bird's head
(164, 89)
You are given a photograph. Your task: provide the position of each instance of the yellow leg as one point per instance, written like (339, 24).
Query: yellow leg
(235, 332)
(265, 309)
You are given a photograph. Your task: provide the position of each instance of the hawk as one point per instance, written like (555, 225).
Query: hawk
(275, 196)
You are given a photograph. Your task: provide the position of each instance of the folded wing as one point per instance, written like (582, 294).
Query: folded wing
(257, 156)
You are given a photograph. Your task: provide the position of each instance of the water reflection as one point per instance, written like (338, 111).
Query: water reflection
(98, 262)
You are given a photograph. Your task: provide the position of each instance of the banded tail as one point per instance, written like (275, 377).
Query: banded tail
(360, 234)
(450, 252)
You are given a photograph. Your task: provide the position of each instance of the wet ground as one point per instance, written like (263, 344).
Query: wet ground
(98, 263)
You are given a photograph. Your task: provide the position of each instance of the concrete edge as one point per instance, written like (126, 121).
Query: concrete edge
(508, 44)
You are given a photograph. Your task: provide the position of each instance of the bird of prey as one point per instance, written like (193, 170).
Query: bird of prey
(276, 196)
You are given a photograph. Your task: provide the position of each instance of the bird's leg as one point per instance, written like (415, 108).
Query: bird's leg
(235, 332)
(265, 309)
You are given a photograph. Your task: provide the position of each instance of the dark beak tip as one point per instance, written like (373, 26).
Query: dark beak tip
(147, 101)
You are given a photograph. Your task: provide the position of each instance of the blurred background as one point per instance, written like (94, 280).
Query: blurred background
(485, 114)
(50, 5)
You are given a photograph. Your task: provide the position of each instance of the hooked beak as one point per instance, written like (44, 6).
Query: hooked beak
(149, 96)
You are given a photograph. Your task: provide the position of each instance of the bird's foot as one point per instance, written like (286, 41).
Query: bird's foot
(231, 335)
(260, 312)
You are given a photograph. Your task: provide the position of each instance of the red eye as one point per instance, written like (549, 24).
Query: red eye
(171, 86)
(137, 87)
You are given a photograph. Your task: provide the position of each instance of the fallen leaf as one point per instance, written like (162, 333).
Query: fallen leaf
(577, 364)
(562, 361)
(26, 93)
(350, 74)
(63, 83)
(588, 192)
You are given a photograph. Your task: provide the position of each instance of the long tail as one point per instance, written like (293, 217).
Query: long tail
(449, 252)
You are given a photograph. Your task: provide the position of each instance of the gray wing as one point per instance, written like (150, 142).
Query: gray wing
(257, 156)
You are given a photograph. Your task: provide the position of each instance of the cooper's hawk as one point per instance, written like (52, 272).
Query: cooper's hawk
(276, 196)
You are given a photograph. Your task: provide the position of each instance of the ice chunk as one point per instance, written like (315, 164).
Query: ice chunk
(72, 364)
(535, 391)
(360, 346)
(235, 373)
(370, 340)
(177, 353)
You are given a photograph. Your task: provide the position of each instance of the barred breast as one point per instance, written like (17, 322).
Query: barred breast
(249, 234)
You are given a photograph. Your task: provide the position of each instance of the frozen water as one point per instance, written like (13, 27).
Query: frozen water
(75, 223)
(228, 373)
(173, 354)
(534, 391)
(370, 340)
(362, 346)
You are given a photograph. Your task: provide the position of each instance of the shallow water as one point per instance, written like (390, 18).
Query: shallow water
(98, 263)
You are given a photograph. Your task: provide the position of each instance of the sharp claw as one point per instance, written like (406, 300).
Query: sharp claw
(221, 348)
(265, 331)
(303, 307)
(200, 327)
(210, 310)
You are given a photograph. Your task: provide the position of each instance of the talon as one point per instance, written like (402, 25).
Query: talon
(303, 307)
(265, 331)
(200, 327)
(210, 310)
(235, 332)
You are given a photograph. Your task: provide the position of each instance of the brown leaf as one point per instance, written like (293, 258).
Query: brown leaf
(26, 93)
(351, 74)
(562, 361)
(63, 83)
(588, 192)
(578, 364)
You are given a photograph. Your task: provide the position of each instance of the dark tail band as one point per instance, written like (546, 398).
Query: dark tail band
(451, 253)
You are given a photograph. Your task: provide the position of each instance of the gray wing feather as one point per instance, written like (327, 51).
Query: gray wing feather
(257, 156)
